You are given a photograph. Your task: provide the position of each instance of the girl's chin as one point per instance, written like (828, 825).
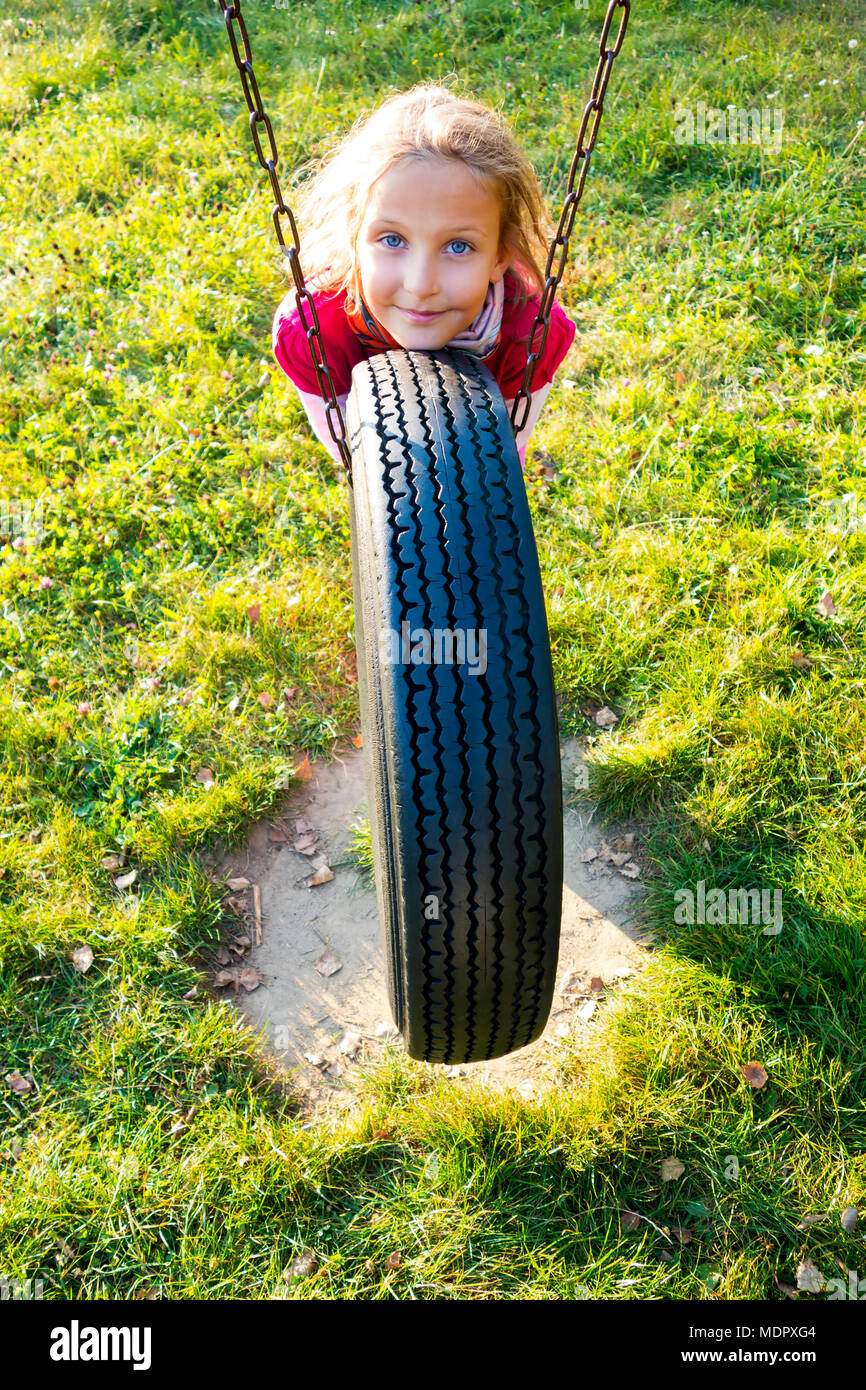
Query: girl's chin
(411, 333)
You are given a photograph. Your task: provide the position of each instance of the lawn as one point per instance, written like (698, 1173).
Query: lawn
(175, 558)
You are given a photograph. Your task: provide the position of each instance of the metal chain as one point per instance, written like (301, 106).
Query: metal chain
(563, 232)
(336, 423)
(569, 209)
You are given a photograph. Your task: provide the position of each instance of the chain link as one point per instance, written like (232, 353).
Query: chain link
(313, 333)
(334, 415)
(569, 207)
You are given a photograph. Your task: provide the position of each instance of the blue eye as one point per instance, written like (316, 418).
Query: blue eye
(385, 238)
(459, 242)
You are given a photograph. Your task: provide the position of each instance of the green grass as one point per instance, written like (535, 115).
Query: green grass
(684, 544)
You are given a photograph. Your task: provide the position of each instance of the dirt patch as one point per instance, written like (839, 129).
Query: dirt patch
(326, 1029)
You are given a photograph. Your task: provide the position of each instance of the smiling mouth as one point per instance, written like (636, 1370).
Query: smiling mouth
(421, 317)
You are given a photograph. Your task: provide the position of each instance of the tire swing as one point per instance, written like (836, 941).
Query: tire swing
(455, 682)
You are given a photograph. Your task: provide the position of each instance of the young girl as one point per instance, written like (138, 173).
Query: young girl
(420, 230)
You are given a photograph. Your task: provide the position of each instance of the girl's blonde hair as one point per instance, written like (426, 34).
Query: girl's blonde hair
(427, 120)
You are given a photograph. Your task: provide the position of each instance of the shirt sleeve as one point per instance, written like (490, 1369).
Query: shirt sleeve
(536, 405)
(560, 336)
(292, 351)
(317, 415)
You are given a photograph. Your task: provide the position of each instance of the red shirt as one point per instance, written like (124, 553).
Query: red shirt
(344, 350)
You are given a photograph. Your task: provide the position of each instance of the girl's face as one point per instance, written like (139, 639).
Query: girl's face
(429, 241)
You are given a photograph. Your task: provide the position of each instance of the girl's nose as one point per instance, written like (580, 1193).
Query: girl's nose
(419, 278)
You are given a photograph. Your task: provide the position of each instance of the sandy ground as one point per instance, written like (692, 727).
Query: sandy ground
(327, 1029)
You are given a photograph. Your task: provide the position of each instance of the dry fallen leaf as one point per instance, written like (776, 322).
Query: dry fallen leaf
(605, 718)
(322, 875)
(304, 769)
(358, 740)
(849, 1218)
(250, 978)
(226, 977)
(82, 958)
(223, 956)
(672, 1168)
(265, 700)
(126, 880)
(237, 884)
(191, 993)
(754, 1074)
(682, 1234)
(631, 870)
(21, 1085)
(328, 963)
(826, 605)
(306, 843)
(254, 612)
(801, 661)
(810, 1220)
(587, 855)
(112, 862)
(809, 1277)
(596, 985)
(205, 776)
(350, 1044)
(394, 1261)
(587, 1010)
(629, 1220)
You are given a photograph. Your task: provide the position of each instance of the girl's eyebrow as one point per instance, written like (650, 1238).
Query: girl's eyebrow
(459, 231)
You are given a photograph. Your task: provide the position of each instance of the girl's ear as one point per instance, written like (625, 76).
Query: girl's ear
(504, 259)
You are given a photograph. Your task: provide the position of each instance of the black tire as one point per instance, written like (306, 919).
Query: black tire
(462, 766)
